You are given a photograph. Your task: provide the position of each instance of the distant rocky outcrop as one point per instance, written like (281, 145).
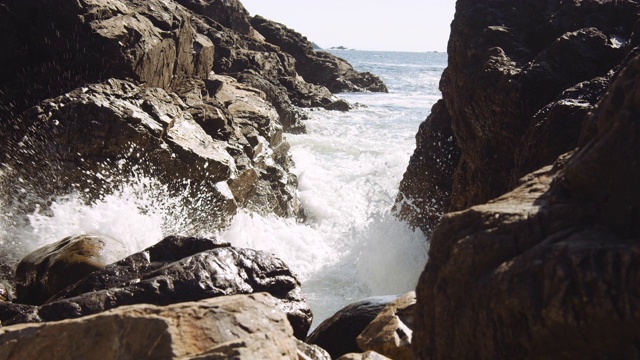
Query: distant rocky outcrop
(319, 68)
(518, 85)
(540, 104)
(239, 327)
(177, 269)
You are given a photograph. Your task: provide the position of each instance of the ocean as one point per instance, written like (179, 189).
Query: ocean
(349, 166)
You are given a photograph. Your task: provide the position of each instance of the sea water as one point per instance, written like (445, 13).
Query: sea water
(349, 166)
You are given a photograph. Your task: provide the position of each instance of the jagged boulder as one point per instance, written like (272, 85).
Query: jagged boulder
(53, 267)
(390, 333)
(338, 333)
(519, 82)
(548, 270)
(239, 327)
(179, 269)
(319, 68)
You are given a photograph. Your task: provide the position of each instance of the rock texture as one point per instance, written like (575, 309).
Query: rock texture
(179, 269)
(519, 82)
(390, 333)
(51, 268)
(238, 327)
(548, 270)
(338, 333)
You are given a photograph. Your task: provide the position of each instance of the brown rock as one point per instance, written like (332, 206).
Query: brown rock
(547, 270)
(519, 81)
(338, 333)
(239, 327)
(51, 268)
(390, 332)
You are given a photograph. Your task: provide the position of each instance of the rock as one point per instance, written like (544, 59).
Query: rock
(430, 172)
(308, 351)
(548, 269)
(179, 269)
(57, 47)
(290, 116)
(317, 67)
(518, 84)
(230, 13)
(239, 327)
(367, 355)
(338, 333)
(390, 332)
(51, 268)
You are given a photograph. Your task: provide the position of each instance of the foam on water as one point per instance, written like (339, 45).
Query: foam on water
(349, 166)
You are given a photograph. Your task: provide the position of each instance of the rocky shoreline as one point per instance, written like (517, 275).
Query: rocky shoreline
(523, 176)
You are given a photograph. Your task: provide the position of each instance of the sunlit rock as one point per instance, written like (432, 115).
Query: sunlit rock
(51, 268)
(338, 333)
(239, 327)
(367, 355)
(390, 332)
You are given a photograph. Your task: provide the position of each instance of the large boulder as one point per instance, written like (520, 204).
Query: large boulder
(519, 82)
(338, 333)
(53, 267)
(238, 327)
(179, 269)
(319, 68)
(548, 270)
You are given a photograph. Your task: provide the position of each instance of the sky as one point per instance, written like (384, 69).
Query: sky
(398, 25)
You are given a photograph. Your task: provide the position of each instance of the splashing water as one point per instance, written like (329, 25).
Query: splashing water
(349, 166)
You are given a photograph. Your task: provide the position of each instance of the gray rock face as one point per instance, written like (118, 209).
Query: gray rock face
(176, 270)
(548, 270)
(238, 327)
(51, 268)
(519, 82)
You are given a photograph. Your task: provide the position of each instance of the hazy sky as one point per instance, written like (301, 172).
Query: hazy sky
(400, 25)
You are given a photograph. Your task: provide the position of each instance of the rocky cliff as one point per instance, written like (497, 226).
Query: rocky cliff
(518, 85)
(539, 113)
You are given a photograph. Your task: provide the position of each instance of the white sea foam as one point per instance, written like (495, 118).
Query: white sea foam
(349, 166)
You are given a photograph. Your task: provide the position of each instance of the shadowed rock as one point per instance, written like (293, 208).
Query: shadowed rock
(519, 82)
(548, 270)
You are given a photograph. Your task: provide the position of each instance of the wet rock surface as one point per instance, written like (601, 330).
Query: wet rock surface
(51, 268)
(338, 333)
(179, 269)
(240, 326)
(547, 270)
(519, 82)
